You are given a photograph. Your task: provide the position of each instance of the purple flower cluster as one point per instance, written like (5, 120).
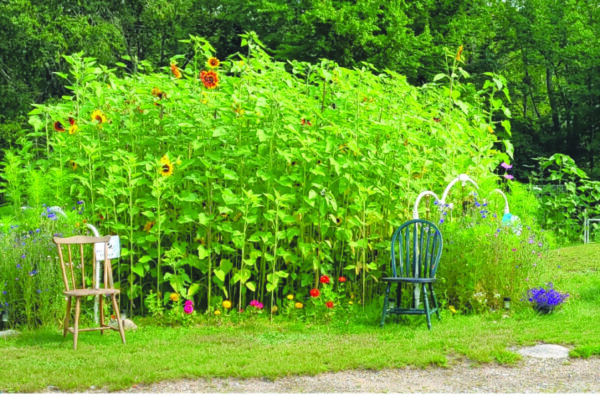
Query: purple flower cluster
(546, 298)
(506, 168)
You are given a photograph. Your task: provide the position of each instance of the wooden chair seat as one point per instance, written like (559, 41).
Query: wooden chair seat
(75, 264)
(91, 291)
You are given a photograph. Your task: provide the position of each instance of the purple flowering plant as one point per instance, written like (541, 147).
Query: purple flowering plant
(545, 300)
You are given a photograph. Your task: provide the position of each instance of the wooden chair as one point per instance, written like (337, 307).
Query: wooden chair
(416, 251)
(79, 278)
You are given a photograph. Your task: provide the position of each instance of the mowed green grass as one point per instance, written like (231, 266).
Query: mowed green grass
(259, 348)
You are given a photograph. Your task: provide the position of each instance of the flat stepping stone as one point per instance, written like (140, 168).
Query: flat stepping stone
(8, 332)
(545, 351)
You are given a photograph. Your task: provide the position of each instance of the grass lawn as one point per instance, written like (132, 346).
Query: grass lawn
(34, 360)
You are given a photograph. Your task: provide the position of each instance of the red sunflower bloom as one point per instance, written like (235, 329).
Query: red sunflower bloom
(58, 127)
(210, 79)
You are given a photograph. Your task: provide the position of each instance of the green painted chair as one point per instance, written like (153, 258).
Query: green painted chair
(416, 252)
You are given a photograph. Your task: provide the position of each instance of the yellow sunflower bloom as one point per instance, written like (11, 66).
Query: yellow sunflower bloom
(166, 167)
(213, 62)
(227, 304)
(298, 305)
(217, 312)
(73, 129)
(290, 297)
(174, 296)
(98, 116)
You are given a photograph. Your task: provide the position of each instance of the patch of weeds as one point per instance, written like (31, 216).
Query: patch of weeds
(507, 357)
(585, 351)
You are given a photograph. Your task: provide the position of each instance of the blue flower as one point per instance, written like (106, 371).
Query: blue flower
(39, 291)
(4, 292)
(52, 216)
(33, 272)
(80, 202)
(18, 265)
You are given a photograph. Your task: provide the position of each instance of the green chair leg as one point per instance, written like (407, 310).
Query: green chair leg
(385, 304)
(435, 302)
(426, 303)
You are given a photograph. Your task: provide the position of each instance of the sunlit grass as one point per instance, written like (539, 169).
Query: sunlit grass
(259, 348)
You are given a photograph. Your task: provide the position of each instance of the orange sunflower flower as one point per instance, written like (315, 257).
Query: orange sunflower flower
(459, 53)
(166, 167)
(175, 70)
(148, 226)
(213, 62)
(58, 127)
(98, 116)
(210, 79)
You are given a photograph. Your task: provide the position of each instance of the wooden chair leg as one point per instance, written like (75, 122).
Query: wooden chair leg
(385, 304)
(426, 303)
(67, 317)
(76, 324)
(118, 315)
(101, 308)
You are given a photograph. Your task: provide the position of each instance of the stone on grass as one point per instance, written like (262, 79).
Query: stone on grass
(545, 351)
(127, 324)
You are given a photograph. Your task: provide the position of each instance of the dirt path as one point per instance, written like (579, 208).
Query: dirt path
(530, 375)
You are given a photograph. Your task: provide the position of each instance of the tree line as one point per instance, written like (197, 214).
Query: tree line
(547, 50)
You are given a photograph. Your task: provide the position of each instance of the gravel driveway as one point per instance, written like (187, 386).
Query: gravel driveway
(530, 375)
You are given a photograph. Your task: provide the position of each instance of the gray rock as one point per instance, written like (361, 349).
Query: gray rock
(127, 324)
(8, 332)
(545, 351)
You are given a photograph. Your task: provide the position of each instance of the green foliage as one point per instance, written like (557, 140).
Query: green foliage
(567, 196)
(254, 189)
(30, 280)
(487, 258)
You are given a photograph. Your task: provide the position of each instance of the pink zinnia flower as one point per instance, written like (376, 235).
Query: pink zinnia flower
(188, 309)
(507, 176)
(505, 166)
